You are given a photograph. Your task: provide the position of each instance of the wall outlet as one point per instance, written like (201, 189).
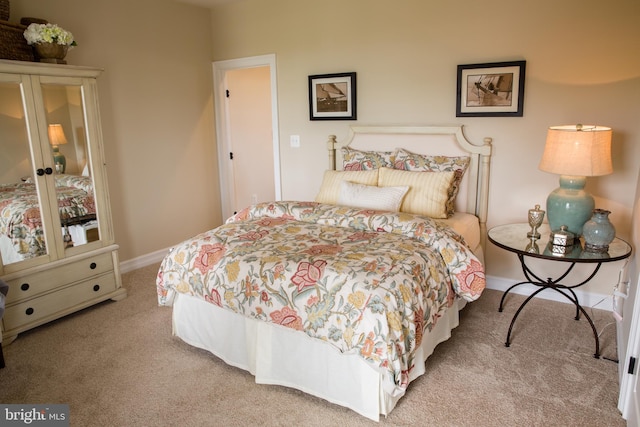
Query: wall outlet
(254, 199)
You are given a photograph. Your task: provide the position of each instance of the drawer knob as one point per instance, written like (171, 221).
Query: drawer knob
(96, 288)
(29, 311)
(24, 286)
(93, 265)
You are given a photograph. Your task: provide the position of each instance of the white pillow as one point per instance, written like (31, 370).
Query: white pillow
(428, 191)
(330, 188)
(371, 197)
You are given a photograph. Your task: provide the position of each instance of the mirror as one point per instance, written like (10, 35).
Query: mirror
(22, 231)
(72, 176)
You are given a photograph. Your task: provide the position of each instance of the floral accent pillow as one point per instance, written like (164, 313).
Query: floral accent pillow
(406, 160)
(357, 160)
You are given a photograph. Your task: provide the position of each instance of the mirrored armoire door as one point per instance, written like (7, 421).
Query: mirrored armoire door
(23, 234)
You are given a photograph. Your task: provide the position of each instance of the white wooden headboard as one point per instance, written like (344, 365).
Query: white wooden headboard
(473, 196)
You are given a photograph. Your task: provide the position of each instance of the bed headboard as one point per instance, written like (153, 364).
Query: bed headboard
(432, 140)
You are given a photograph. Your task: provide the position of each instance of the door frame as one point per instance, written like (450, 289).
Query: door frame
(225, 167)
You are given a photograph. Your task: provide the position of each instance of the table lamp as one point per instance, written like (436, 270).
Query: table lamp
(57, 138)
(574, 152)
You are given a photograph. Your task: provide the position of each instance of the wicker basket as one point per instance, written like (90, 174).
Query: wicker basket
(13, 44)
(28, 20)
(4, 10)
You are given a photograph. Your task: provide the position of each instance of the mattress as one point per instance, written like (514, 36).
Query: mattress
(467, 226)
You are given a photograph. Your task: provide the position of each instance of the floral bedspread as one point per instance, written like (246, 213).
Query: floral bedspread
(364, 281)
(20, 216)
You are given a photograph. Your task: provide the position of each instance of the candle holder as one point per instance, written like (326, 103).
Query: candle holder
(536, 216)
(532, 246)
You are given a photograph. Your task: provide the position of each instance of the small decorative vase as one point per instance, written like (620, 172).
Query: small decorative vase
(598, 232)
(51, 52)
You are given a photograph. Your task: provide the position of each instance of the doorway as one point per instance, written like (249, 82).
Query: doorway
(247, 132)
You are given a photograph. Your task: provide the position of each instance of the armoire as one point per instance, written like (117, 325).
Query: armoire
(57, 248)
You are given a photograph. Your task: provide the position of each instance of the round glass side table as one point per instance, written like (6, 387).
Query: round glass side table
(513, 238)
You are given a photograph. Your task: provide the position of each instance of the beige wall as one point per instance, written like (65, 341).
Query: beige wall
(157, 112)
(582, 67)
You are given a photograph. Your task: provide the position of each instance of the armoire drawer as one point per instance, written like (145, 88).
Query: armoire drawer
(34, 284)
(58, 303)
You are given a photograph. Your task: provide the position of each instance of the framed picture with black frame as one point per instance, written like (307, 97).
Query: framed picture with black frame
(491, 89)
(332, 96)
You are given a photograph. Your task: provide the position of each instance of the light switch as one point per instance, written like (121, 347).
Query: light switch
(294, 140)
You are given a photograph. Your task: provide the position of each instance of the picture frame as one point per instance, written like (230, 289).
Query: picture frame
(491, 89)
(332, 96)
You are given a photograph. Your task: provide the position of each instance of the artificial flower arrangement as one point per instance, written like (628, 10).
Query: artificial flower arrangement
(48, 33)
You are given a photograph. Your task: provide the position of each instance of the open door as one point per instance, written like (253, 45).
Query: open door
(248, 99)
(247, 131)
(628, 327)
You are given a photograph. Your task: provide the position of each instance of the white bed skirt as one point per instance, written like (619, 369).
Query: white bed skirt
(278, 355)
(8, 251)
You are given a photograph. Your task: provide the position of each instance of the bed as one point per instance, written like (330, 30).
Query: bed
(21, 231)
(344, 297)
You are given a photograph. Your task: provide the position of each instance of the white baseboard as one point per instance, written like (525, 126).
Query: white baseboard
(143, 261)
(587, 299)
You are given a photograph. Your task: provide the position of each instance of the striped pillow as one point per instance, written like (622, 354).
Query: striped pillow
(330, 188)
(428, 191)
(409, 161)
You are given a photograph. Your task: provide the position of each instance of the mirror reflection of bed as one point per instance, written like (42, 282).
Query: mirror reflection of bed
(344, 297)
(21, 221)
(22, 234)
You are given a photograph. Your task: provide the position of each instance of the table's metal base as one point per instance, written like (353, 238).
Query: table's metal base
(554, 284)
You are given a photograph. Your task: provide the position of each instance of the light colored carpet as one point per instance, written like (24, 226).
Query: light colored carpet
(117, 364)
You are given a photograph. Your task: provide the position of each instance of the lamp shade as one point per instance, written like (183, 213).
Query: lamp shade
(577, 150)
(56, 135)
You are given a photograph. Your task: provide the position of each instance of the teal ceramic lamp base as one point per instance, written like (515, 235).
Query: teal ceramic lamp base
(570, 205)
(58, 158)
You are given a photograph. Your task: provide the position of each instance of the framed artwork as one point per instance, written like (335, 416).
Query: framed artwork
(490, 90)
(332, 96)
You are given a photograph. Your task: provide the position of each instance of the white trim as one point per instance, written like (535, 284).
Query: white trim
(587, 299)
(143, 261)
(220, 69)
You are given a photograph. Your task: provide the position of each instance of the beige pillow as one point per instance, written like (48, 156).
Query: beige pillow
(371, 196)
(428, 191)
(330, 188)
